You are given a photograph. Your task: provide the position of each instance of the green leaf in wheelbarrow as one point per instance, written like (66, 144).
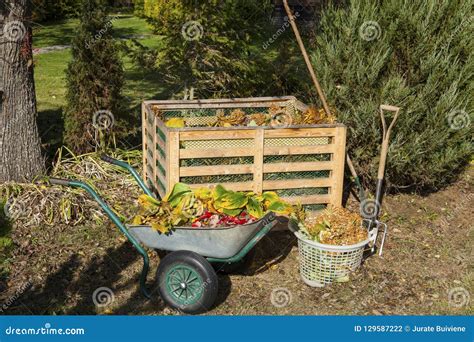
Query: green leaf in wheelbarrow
(229, 202)
(175, 196)
(273, 202)
(254, 207)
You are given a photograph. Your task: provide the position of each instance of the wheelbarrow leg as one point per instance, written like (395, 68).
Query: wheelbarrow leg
(115, 219)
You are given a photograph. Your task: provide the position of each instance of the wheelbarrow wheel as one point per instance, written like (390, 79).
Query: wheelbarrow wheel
(238, 267)
(187, 282)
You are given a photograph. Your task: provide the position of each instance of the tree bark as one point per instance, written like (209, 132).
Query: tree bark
(20, 146)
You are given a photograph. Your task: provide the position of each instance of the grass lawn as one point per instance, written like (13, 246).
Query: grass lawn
(50, 78)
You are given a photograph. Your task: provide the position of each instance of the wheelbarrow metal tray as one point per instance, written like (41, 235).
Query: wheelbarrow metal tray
(219, 243)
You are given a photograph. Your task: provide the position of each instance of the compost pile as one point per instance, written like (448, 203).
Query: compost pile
(38, 203)
(275, 116)
(204, 207)
(335, 226)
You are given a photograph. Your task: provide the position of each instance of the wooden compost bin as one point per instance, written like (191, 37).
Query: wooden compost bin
(303, 164)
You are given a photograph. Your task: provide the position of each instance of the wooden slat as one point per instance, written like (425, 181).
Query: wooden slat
(297, 183)
(155, 152)
(293, 167)
(258, 161)
(144, 141)
(294, 150)
(339, 158)
(216, 170)
(216, 135)
(221, 103)
(313, 199)
(215, 153)
(172, 171)
(300, 132)
(235, 186)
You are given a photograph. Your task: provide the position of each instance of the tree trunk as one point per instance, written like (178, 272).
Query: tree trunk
(20, 147)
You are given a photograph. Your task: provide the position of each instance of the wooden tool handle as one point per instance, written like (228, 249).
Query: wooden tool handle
(321, 95)
(386, 136)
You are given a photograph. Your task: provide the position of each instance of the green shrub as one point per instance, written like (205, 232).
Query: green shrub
(44, 10)
(416, 55)
(210, 45)
(94, 81)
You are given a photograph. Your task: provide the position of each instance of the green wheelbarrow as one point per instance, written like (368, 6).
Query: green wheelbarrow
(186, 278)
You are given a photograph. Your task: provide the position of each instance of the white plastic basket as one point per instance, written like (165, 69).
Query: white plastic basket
(321, 264)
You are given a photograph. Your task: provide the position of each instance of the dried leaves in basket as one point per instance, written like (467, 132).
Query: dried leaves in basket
(335, 226)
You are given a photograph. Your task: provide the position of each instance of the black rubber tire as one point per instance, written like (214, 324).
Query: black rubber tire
(202, 267)
(236, 267)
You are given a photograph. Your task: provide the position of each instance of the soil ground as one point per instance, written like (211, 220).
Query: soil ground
(426, 268)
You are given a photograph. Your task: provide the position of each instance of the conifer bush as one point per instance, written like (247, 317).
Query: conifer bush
(413, 54)
(210, 45)
(94, 81)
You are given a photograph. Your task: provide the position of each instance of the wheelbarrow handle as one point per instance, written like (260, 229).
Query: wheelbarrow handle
(132, 171)
(60, 181)
(109, 159)
(116, 220)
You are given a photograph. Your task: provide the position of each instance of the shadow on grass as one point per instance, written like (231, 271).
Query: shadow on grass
(51, 130)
